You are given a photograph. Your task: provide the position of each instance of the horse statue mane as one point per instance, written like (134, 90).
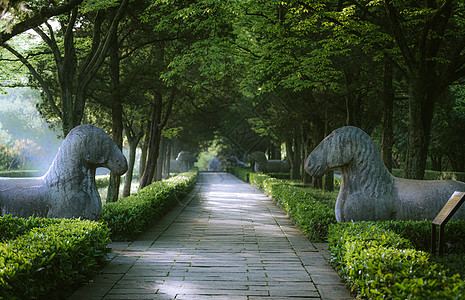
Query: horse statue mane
(68, 188)
(368, 191)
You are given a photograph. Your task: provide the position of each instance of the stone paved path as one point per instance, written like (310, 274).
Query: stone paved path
(225, 241)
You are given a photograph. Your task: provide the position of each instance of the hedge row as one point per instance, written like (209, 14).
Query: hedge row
(240, 172)
(312, 216)
(435, 175)
(23, 173)
(129, 216)
(360, 250)
(45, 258)
(12, 227)
(378, 263)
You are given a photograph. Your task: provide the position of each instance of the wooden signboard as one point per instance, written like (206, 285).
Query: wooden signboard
(449, 209)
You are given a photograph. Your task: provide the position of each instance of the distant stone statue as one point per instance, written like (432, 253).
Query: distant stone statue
(183, 162)
(68, 189)
(368, 191)
(234, 161)
(268, 165)
(215, 164)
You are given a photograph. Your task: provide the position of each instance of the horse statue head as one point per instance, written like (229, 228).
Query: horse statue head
(98, 149)
(345, 148)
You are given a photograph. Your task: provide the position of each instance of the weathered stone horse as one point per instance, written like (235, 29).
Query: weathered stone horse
(268, 165)
(183, 162)
(368, 191)
(68, 189)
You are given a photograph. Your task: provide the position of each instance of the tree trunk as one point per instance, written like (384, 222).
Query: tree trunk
(422, 97)
(304, 153)
(144, 150)
(132, 160)
(318, 135)
(133, 141)
(328, 184)
(161, 160)
(116, 114)
(296, 153)
(154, 143)
(387, 139)
(436, 161)
(167, 162)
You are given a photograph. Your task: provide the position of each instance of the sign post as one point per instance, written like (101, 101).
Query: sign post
(449, 209)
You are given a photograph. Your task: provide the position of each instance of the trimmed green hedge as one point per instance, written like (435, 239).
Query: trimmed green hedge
(129, 216)
(12, 227)
(23, 173)
(240, 172)
(378, 263)
(310, 215)
(46, 258)
(419, 233)
(435, 175)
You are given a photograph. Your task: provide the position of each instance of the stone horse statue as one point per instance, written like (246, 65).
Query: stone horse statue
(68, 189)
(268, 165)
(368, 191)
(183, 162)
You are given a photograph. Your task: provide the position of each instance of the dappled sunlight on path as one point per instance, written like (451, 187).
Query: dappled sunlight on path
(226, 241)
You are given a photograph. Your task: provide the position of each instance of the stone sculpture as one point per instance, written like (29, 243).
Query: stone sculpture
(234, 161)
(68, 189)
(268, 166)
(183, 162)
(368, 191)
(215, 164)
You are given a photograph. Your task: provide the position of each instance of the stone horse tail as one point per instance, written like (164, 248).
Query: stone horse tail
(368, 191)
(68, 189)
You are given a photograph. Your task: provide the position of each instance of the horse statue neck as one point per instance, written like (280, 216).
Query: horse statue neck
(69, 166)
(365, 169)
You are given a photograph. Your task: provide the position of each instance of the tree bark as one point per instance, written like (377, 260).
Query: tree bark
(117, 114)
(387, 139)
(318, 135)
(153, 148)
(422, 95)
(304, 153)
(328, 183)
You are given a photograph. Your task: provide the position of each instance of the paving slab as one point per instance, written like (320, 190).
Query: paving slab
(225, 240)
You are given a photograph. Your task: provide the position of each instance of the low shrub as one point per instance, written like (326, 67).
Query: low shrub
(240, 172)
(23, 173)
(256, 179)
(435, 175)
(378, 263)
(310, 215)
(46, 262)
(129, 216)
(419, 233)
(12, 227)
(280, 175)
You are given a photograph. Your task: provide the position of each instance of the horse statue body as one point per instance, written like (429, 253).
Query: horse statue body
(68, 188)
(368, 191)
(183, 162)
(268, 165)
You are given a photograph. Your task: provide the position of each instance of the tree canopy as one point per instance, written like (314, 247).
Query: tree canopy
(259, 74)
